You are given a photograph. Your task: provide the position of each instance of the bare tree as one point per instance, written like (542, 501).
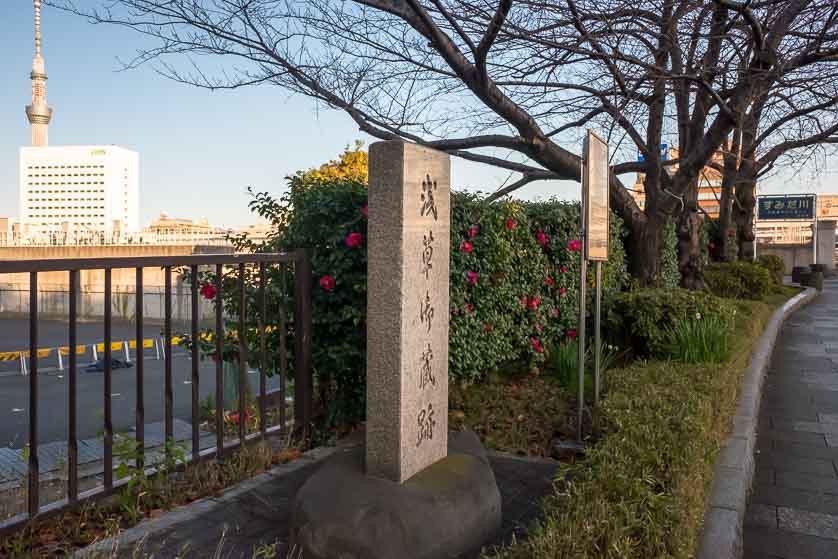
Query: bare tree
(510, 83)
(785, 127)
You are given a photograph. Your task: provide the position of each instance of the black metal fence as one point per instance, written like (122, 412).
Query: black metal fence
(302, 362)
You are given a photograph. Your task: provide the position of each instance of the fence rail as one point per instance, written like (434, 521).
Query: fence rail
(237, 262)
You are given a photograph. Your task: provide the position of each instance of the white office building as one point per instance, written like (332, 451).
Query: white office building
(80, 191)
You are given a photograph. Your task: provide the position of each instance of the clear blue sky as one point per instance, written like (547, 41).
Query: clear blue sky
(199, 150)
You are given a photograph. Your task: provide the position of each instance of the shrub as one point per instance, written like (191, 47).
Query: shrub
(739, 280)
(775, 266)
(641, 490)
(640, 318)
(513, 284)
(699, 339)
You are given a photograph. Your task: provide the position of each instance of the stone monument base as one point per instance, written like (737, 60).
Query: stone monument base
(451, 508)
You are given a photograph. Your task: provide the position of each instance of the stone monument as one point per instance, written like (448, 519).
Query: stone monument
(411, 492)
(407, 310)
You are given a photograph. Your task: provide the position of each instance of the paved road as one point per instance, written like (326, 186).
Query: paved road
(793, 510)
(52, 388)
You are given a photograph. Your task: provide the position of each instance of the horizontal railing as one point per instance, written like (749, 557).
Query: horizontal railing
(220, 262)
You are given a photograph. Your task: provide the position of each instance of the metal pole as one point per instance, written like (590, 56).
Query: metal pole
(597, 339)
(581, 355)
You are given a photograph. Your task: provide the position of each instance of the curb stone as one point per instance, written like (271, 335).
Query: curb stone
(733, 470)
(186, 513)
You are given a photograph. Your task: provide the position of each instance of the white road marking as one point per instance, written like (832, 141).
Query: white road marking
(17, 410)
(116, 395)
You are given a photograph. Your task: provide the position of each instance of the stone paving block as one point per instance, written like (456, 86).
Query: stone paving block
(813, 501)
(802, 437)
(820, 452)
(807, 522)
(806, 482)
(764, 476)
(788, 545)
(784, 463)
(761, 515)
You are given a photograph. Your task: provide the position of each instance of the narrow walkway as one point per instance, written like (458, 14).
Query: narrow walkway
(793, 510)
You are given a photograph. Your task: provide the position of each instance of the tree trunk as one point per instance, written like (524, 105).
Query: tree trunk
(744, 216)
(643, 246)
(688, 232)
(690, 266)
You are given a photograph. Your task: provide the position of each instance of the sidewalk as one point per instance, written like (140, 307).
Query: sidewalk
(793, 509)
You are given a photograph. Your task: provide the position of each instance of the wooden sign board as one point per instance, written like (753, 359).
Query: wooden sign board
(595, 197)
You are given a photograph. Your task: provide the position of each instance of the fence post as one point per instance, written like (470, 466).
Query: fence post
(60, 361)
(127, 353)
(303, 382)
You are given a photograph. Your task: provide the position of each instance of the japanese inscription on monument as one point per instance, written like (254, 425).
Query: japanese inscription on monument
(407, 341)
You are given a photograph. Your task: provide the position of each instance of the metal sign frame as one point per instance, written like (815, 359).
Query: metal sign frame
(595, 177)
(589, 175)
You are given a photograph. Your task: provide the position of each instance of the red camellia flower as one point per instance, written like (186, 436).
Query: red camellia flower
(549, 281)
(533, 302)
(510, 224)
(571, 333)
(354, 239)
(536, 345)
(472, 278)
(563, 269)
(466, 247)
(469, 308)
(574, 245)
(472, 231)
(542, 237)
(562, 291)
(365, 211)
(208, 291)
(327, 283)
(487, 327)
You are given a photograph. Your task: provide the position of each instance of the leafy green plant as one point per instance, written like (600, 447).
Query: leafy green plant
(775, 266)
(739, 280)
(142, 492)
(513, 283)
(699, 340)
(640, 319)
(641, 491)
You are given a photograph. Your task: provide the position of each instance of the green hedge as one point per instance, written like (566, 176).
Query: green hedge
(739, 280)
(641, 490)
(641, 318)
(513, 288)
(775, 266)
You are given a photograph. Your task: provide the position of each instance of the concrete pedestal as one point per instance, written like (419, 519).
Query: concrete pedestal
(449, 509)
(826, 245)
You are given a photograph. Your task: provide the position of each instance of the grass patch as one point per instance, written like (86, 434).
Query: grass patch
(641, 490)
